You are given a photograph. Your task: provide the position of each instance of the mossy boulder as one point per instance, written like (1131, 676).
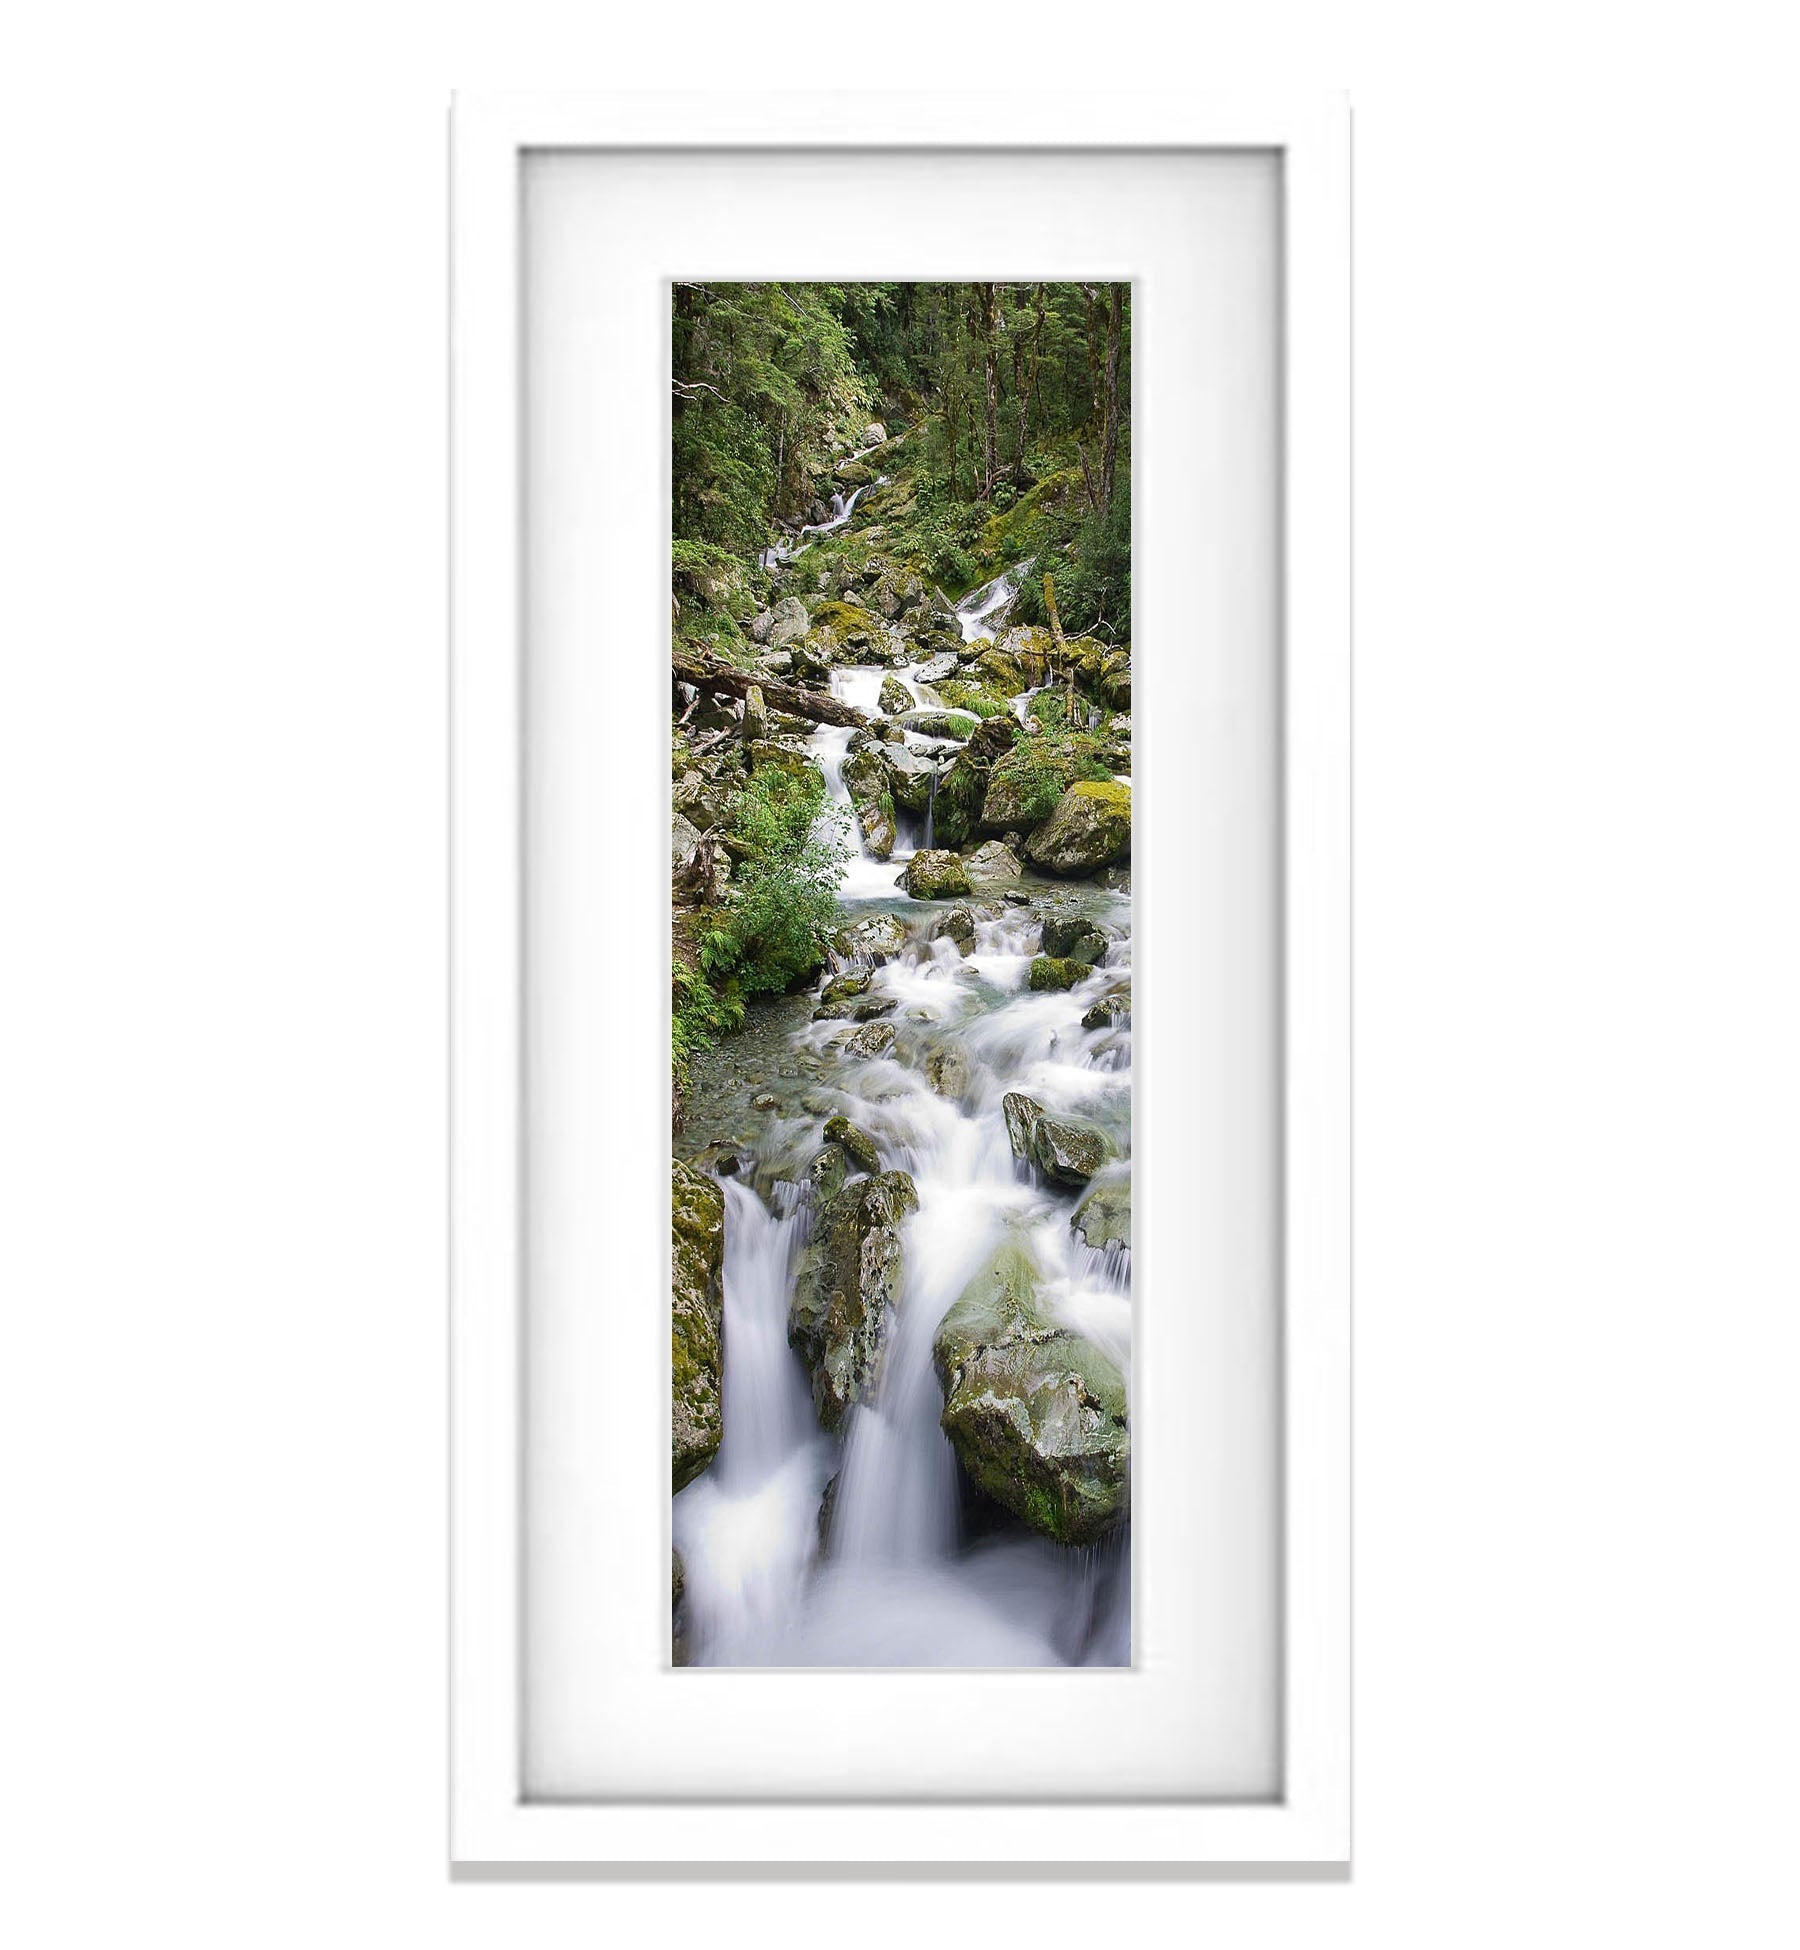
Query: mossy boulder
(909, 776)
(895, 697)
(873, 1039)
(1075, 937)
(964, 696)
(857, 1143)
(869, 942)
(1065, 1149)
(768, 755)
(934, 874)
(1029, 780)
(1090, 829)
(1103, 1218)
(1036, 1413)
(1000, 671)
(696, 1322)
(846, 1285)
(1053, 972)
(992, 861)
(962, 789)
(958, 926)
(947, 1071)
(866, 780)
(940, 724)
(1110, 1012)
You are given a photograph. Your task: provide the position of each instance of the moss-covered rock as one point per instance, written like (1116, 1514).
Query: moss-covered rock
(909, 775)
(895, 697)
(964, 696)
(870, 941)
(1110, 1012)
(1028, 781)
(958, 926)
(940, 724)
(1103, 1218)
(1053, 972)
(934, 873)
(787, 623)
(1067, 1150)
(846, 1285)
(696, 1320)
(866, 780)
(1073, 936)
(992, 861)
(1036, 1413)
(855, 1141)
(1090, 829)
(873, 1039)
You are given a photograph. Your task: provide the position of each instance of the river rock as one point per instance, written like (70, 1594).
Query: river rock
(958, 926)
(1103, 1218)
(909, 775)
(958, 725)
(992, 860)
(846, 987)
(1111, 1011)
(865, 779)
(1067, 1150)
(935, 874)
(787, 622)
(873, 1039)
(947, 1071)
(845, 1288)
(1036, 1413)
(935, 669)
(895, 697)
(873, 434)
(1027, 782)
(1074, 937)
(1090, 829)
(696, 1320)
(760, 625)
(856, 1142)
(1053, 972)
(869, 942)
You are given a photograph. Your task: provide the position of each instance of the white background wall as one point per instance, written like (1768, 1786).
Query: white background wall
(221, 984)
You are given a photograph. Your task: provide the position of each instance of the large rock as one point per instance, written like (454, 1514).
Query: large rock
(1027, 783)
(1073, 937)
(696, 1321)
(1090, 829)
(909, 775)
(1103, 1218)
(993, 860)
(1053, 972)
(1110, 1012)
(1036, 1414)
(869, 942)
(895, 697)
(933, 874)
(962, 789)
(857, 1143)
(866, 780)
(958, 725)
(788, 622)
(934, 669)
(1067, 1150)
(846, 1285)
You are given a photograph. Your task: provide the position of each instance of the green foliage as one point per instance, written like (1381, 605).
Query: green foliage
(784, 891)
(1040, 769)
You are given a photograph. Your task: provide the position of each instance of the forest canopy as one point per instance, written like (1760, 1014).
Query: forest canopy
(1014, 400)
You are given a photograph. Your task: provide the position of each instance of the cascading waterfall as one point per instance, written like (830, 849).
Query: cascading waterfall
(864, 1547)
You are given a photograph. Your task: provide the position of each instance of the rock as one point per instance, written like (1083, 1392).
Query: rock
(846, 987)
(1090, 829)
(935, 874)
(873, 1039)
(867, 943)
(761, 624)
(1000, 671)
(958, 926)
(1073, 936)
(1103, 1218)
(764, 1100)
(935, 669)
(865, 779)
(826, 1171)
(1036, 1413)
(855, 1141)
(768, 754)
(684, 836)
(895, 697)
(873, 434)
(845, 1287)
(827, 1512)
(1067, 1150)
(787, 622)
(696, 1320)
(1110, 1011)
(991, 861)
(909, 776)
(959, 725)
(947, 1071)
(756, 715)
(1028, 781)
(1051, 972)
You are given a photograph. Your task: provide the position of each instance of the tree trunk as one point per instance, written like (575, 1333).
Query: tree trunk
(708, 673)
(1028, 386)
(985, 309)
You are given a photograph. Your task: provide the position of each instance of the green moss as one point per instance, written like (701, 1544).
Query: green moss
(964, 696)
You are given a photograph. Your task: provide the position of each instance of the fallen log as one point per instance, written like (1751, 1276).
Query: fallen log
(816, 707)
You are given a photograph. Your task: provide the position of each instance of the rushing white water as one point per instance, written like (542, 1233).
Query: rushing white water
(865, 1548)
(899, 1577)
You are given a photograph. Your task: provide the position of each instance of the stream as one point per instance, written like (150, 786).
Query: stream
(866, 1547)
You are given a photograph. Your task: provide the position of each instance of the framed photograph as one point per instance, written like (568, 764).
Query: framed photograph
(901, 760)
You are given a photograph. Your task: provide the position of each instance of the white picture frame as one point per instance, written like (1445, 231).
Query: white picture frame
(492, 1824)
